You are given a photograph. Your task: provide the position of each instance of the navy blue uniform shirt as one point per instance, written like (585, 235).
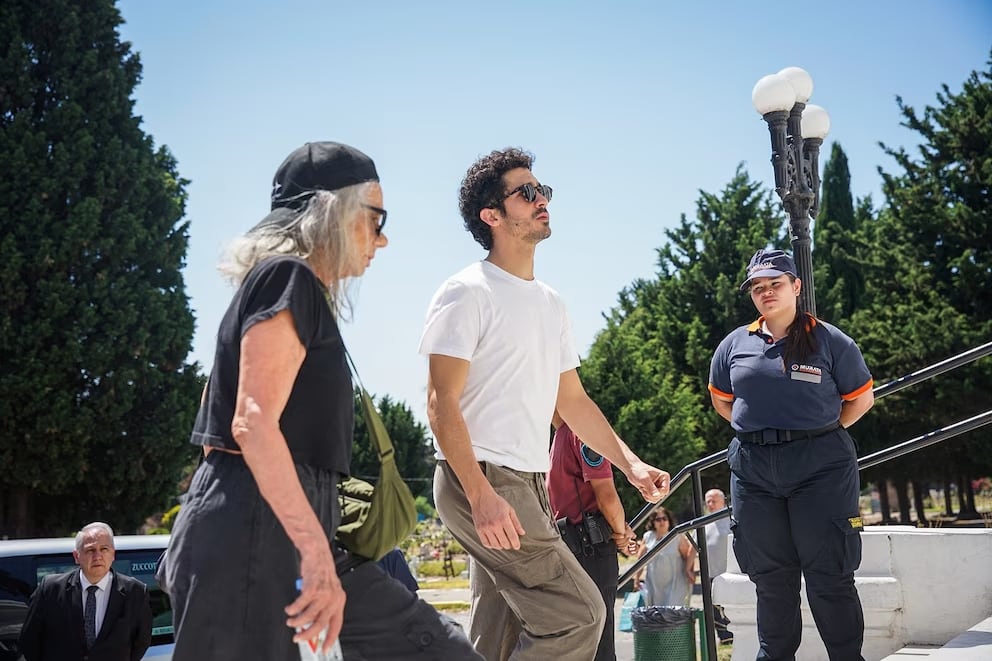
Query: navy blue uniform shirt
(747, 369)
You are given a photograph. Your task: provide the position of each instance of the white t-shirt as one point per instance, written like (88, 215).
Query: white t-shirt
(517, 337)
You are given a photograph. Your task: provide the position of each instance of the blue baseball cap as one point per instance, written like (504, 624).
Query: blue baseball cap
(768, 264)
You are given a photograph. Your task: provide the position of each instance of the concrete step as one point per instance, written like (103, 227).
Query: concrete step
(975, 644)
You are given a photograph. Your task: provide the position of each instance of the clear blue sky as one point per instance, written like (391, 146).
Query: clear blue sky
(630, 107)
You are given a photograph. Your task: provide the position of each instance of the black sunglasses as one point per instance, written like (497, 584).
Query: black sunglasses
(529, 192)
(382, 217)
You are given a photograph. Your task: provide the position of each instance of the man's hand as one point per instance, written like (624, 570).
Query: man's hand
(652, 482)
(495, 521)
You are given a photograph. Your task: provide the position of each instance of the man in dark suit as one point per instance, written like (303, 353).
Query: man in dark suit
(93, 613)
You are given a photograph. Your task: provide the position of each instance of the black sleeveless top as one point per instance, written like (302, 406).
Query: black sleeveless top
(319, 415)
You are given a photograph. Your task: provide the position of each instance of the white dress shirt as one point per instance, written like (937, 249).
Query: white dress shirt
(102, 595)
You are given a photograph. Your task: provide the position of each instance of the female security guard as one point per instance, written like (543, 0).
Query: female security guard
(790, 385)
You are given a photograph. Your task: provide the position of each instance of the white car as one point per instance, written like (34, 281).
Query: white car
(23, 562)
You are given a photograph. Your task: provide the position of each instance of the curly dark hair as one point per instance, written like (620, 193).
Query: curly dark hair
(482, 188)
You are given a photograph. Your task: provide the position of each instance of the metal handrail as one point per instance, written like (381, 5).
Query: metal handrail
(868, 461)
(692, 471)
(934, 370)
(928, 439)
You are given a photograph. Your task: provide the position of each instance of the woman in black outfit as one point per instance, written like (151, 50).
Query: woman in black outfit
(276, 429)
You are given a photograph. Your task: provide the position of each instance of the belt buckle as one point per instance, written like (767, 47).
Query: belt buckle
(769, 437)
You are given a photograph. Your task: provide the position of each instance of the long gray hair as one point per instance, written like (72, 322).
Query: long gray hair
(322, 234)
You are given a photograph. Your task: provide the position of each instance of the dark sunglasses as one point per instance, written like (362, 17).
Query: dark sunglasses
(530, 191)
(381, 222)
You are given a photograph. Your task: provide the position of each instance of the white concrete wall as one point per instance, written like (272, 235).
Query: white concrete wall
(917, 585)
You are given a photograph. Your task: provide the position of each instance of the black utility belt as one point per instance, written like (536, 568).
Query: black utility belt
(591, 531)
(776, 436)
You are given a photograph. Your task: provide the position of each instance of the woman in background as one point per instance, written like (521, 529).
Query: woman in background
(670, 574)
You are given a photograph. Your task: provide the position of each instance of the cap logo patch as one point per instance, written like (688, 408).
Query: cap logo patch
(761, 267)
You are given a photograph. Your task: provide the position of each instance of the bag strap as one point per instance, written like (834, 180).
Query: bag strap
(373, 422)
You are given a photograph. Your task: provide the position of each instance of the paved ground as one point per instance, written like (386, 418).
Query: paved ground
(971, 645)
(624, 641)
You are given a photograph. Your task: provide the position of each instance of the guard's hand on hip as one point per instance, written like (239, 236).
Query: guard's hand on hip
(626, 541)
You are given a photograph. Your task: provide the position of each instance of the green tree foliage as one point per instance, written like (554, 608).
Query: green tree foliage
(648, 369)
(411, 440)
(839, 247)
(96, 399)
(424, 508)
(930, 278)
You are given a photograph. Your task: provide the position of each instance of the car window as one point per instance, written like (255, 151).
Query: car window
(142, 565)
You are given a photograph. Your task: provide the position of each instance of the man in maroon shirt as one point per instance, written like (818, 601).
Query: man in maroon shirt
(590, 516)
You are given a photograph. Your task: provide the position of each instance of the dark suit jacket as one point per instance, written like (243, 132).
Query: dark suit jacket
(53, 629)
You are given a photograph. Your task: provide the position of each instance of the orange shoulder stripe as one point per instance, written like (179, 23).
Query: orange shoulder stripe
(719, 394)
(860, 391)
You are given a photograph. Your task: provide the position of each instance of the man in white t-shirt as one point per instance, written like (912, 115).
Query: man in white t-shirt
(501, 360)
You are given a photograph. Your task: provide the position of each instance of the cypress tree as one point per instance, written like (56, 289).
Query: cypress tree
(96, 399)
(837, 260)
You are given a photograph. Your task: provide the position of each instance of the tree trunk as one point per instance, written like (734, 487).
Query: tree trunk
(967, 497)
(962, 505)
(883, 501)
(948, 508)
(921, 515)
(902, 495)
(970, 492)
(20, 513)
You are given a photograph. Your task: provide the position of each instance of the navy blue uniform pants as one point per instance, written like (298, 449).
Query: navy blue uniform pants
(795, 512)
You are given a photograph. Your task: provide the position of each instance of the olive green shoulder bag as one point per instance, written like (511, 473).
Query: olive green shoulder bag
(374, 519)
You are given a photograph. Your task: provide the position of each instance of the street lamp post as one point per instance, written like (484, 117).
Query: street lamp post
(797, 131)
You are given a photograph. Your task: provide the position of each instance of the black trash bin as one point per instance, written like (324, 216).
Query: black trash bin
(663, 633)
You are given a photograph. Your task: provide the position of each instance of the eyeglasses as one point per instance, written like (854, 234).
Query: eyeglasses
(381, 221)
(529, 192)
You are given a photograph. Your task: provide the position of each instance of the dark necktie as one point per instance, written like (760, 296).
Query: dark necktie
(89, 615)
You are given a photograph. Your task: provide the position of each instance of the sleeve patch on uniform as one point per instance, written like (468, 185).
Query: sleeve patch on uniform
(590, 456)
(856, 522)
